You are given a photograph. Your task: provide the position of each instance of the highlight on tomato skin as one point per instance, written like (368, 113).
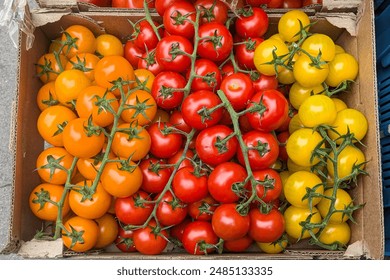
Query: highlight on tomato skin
(190, 134)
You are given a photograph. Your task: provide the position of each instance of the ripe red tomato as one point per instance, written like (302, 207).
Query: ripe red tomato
(244, 52)
(228, 224)
(169, 53)
(273, 108)
(266, 227)
(165, 143)
(238, 245)
(176, 232)
(282, 139)
(133, 210)
(124, 241)
(150, 241)
(225, 182)
(154, 176)
(162, 5)
(186, 162)
(207, 75)
(203, 209)
(132, 53)
(167, 89)
(148, 61)
(202, 100)
(197, 238)
(252, 23)
(189, 185)
(212, 147)
(216, 42)
(212, 10)
(178, 18)
(265, 82)
(170, 211)
(144, 37)
(238, 89)
(176, 119)
(271, 186)
(263, 149)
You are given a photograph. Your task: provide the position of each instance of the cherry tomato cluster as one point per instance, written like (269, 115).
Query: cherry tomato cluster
(138, 4)
(182, 134)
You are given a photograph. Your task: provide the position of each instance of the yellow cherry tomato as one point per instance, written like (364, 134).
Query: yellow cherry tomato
(343, 67)
(349, 157)
(320, 44)
(317, 110)
(340, 233)
(291, 23)
(295, 215)
(340, 104)
(343, 200)
(298, 93)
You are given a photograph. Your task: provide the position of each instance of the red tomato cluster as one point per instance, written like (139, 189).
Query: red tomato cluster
(173, 137)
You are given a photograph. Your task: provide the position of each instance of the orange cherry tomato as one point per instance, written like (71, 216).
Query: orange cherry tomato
(85, 62)
(48, 68)
(78, 39)
(47, 96)
(80, 234)
(108, 230)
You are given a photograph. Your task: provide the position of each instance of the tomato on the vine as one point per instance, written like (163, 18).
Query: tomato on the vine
(269, 187)
(178, 18)
(165, 142)
(44, 209)
(168, 89)
(252, 23)
(266, 227)
(170, 211)
(150, 240)
(124, 240)
(269, 110)
(144, 36)
(212, 10)
(134, 209)
(108, 230)
(199, 238)
(203, 209)
(216, 144)
(228, 223)
(172, 53)
(226, 182)
(238, 89)
(199, 111)
(216, 41)
(155, 177)
(263, 149)
(190, 184)
(80, 234)
(207, 75)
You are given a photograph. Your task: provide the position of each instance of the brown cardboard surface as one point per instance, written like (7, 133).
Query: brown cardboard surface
(367, 234)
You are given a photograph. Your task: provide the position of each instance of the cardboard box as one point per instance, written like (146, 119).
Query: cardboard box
(367, 235)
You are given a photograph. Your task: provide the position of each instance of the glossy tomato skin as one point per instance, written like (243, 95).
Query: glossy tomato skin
(272, 188)
(149, 242)
(223, 178)
(216, 52)
(144, 36)
(265, 82)
(132, 210)
(85, 42)
(197, 101)
(154, 177)
(212, 11)
(170, 211)
(203, 209)
(163, 89)
(197, 233)
(266, 227)
(46, 172)
(238, 245)
(268, 153)
(252, 24)
(49, 59)
(174, 62)
(238, 89)
(245, 52)
(132, 53)
(88, 229)
(173, 19)
(148, 61)
(228, 224)
(111, 68)
(185, 163)
(208, 75)
(176, 119)
(108, 230)
(121, 181)
(77, 141)
(92, 207)
(45, 210)
(189, 186)
(209, 147)
(124, 240)
(164, 145)
(162, 5)
(275, 110)
(176, 232)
